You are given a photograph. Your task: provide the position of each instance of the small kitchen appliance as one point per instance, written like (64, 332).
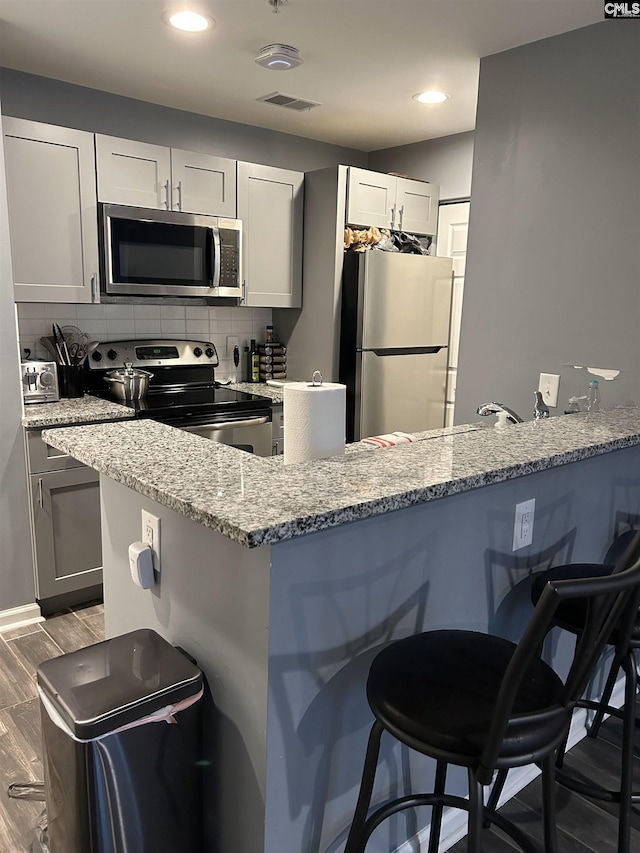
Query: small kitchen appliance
(167, 253)
(40, 382)
(182, 391)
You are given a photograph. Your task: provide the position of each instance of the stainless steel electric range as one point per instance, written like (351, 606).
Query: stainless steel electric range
(183, 391)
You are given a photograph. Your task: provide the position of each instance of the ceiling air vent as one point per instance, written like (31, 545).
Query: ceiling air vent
(288, 101)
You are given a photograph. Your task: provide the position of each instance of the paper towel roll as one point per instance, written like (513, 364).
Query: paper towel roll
(314, 420)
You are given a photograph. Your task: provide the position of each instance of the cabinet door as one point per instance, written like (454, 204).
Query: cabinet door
(371, 199)
(66, 531)
(134, 173)
(270, 204)
(417, 206)
(203, 184)
(51, 190)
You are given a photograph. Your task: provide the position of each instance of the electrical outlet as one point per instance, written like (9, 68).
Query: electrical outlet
(232, 341)
(151, 536)
(548, 385)
(523, 525)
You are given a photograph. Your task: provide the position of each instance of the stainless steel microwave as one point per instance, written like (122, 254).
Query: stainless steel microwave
(164, 253)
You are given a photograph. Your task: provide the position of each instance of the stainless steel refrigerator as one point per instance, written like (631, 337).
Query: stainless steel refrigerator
(396, 311)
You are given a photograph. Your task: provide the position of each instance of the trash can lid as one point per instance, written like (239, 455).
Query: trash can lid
(105, 686)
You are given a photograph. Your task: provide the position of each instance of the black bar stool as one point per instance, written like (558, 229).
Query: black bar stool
(572, 616)
(481, 702)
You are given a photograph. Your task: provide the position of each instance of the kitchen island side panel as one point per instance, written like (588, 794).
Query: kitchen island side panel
(212, 601)
(338, 596)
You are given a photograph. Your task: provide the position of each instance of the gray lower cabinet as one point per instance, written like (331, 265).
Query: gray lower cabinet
(66, 531)
(277, 429)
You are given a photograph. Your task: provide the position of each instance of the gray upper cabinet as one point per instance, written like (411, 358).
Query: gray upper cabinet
(387, 201)
(270, 205)
(51, 192)
(145, 175)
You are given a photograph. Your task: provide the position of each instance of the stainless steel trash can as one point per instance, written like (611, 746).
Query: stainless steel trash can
(121, 743)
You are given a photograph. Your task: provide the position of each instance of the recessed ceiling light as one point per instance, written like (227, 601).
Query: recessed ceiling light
(431, 97)
(190, 22)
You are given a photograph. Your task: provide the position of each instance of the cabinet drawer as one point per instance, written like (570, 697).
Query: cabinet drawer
(42, 457)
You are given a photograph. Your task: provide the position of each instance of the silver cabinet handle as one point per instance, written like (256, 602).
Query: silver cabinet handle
(393, 216)
(95, 288)
(40, 497)
(243, 298)
(179, 191)
(401, 217)
(167, 190)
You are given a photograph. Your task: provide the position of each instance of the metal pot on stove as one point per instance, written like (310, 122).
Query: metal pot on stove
(130, 383)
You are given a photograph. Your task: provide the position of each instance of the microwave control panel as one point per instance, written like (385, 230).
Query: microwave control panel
(229, 257)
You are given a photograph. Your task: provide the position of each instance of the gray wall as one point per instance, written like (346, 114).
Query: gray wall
(553, 264)
(54, 102)
(16, 565)
(446, 161)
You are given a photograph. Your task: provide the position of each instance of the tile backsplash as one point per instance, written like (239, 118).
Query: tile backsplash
(116, 322)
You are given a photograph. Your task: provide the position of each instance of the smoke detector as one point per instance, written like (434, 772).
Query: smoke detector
(279, 57)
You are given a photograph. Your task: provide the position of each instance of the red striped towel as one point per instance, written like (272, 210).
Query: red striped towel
(389, 439)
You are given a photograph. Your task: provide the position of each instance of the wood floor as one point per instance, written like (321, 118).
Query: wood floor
(585, 826)
(21, 650)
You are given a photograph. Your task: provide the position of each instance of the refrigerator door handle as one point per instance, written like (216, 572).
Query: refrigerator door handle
(385, 351)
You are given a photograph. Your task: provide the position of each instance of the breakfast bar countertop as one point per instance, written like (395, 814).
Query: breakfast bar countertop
(77, 410)
(257, 501)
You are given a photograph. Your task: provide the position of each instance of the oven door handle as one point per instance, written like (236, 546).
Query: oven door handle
(249, 422)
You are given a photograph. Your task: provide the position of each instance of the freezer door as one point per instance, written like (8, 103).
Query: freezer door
(400, 392)
(405, 300)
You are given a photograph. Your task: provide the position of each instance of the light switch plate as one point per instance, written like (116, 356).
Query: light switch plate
(549, 385)
(232, 341)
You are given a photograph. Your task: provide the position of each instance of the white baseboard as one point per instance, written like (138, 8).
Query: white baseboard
(16, 617)
(454, 821)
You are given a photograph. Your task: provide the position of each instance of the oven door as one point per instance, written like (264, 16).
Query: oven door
(159, 253)
(250, 434)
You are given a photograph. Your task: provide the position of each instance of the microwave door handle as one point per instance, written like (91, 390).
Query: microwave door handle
(215, 259)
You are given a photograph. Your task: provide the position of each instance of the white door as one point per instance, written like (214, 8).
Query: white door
(371, 199)
(51, 190)
(203, 183)
(134, 173)
(270, 205)
(416, 206)
(453, 225)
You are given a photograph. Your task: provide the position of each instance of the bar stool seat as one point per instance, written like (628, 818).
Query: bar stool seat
(437, 693)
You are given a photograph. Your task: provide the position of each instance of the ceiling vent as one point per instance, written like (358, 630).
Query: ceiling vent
(279, 57)
(288, 101)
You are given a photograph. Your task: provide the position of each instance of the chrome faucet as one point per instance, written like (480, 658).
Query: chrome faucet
(494, 408)
(540, 409)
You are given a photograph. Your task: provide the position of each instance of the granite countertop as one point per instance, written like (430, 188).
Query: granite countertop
(261, 389)
(80, 410)
(257, 501)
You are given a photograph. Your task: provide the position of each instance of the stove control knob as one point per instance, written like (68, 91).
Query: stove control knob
(46, 378)
(210, 352)
(96, 356)
(112, 354)
(197, 352)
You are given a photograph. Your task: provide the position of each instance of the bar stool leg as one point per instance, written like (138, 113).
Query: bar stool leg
(436, 810)
(494, 796)
(605, 699)
(355, 843)
(626, 775)
(549, 803)
(476, 814)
